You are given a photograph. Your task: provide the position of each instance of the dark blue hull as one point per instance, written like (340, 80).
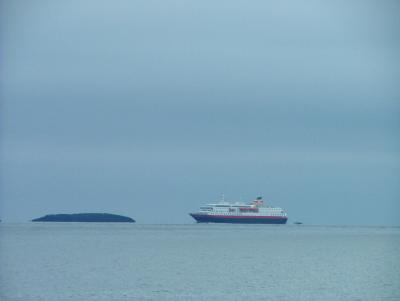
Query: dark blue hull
(204, 218)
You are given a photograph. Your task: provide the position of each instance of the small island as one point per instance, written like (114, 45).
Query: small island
(85, 218)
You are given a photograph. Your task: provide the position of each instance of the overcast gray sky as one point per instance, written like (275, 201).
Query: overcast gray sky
(153, 108)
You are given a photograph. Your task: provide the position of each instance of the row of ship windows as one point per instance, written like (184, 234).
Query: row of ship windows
(235, 208)
(232, 213)
(270, 213)
(245, 211)
(223, 212)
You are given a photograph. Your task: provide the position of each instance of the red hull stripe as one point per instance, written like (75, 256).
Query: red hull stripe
(241, 217)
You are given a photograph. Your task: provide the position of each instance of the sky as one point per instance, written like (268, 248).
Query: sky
(151, 109)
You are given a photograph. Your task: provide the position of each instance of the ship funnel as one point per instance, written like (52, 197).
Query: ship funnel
(258, 201)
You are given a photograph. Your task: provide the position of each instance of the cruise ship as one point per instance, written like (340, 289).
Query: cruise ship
(252, 213)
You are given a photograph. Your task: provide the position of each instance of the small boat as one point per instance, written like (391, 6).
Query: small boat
(298, 223)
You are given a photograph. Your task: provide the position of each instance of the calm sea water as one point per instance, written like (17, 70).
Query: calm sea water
(117, 262)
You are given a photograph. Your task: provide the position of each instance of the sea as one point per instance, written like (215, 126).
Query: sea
(121, 262)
